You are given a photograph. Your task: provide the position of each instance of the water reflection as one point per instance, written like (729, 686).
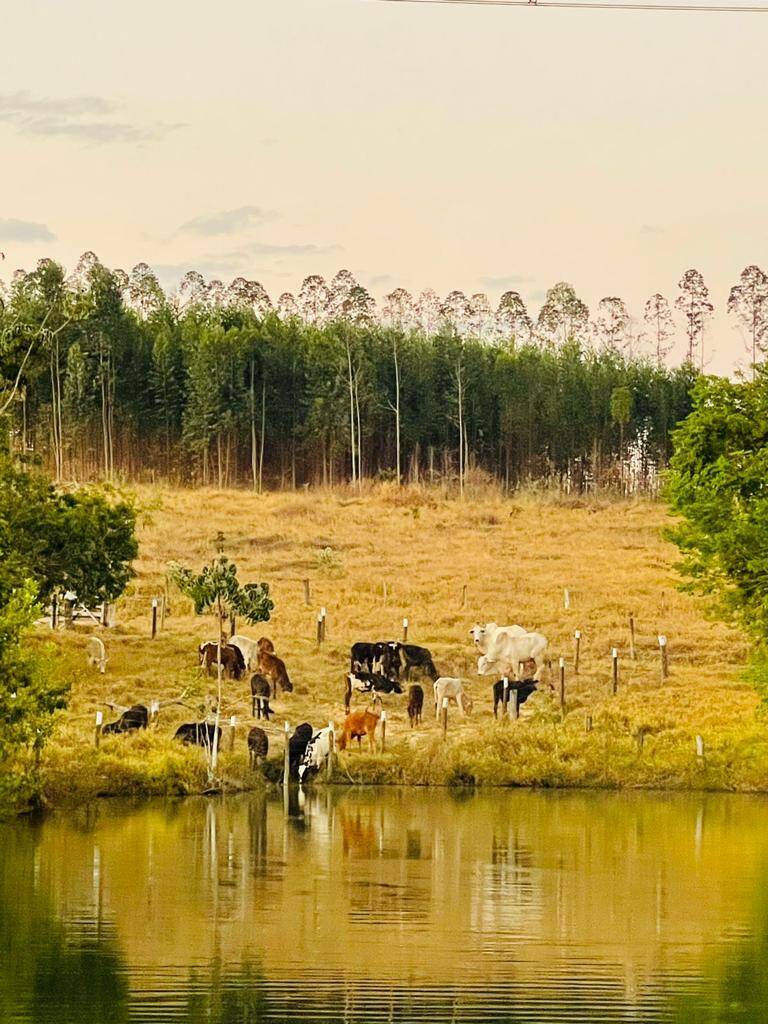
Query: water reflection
(388, 906)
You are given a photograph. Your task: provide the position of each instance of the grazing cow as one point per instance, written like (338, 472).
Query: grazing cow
(415, 704)
(232, 660)
(247, 647)
(258, 746)
(134, 718)
(417, 657)
(361, 723)
(484, 635)
(318, 749)
(505, 653)
(297, 746)
(369, 682)
(201, 733)
(453, 689)
(273, 668)
(260, 694)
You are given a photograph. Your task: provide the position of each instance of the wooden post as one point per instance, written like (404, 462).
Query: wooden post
(405, 631)
(700, 749)
(464, 596)
(614, 670)
(329, 759)
(632, 653)
(577, 647)
(105, 614)
(444, 718)
(97, 732)
(54, 611)
(514, 704)
(232, 727)
(588, 723)
(307, 593)
(286, 754)
(566, 599)
(154, 617)
(323, 616)
(319, 629)
(504, 695)
(562, 686)
(386, 593)
(383, 730)
(664, 657)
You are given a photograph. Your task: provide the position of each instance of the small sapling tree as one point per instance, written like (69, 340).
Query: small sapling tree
(216, 588)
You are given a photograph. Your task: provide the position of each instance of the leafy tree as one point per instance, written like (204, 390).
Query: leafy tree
(717, 486)
(748, 300)
(512, 319)
(216, 587)
(694, 302)
(658, 318)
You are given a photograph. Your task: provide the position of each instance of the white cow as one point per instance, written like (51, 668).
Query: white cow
(453, 689)
(485, 636)
(248, 648)
(506, 652)
(318, 749)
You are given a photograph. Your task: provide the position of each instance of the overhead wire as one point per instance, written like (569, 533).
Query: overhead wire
(599, 5)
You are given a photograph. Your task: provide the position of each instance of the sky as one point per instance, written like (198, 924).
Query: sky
(473, 147)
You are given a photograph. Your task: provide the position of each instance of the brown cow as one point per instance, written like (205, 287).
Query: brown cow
(273, 668)
(361, 723)
(265, 644)
(232, 661)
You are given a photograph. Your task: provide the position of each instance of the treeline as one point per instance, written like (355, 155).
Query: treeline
(104, 375)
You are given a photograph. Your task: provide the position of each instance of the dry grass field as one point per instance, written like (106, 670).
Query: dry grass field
(387, 554)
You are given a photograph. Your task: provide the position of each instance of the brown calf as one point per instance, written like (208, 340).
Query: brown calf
(361, 723)
(273, 669)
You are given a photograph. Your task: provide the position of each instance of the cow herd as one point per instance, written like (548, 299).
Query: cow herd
(376, 669)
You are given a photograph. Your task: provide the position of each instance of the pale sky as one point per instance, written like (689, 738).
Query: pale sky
(444, 146)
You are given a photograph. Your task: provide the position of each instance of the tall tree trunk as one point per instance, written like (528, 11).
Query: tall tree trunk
(351, 413)
(397, 413)
(254, 462)
(263, 432)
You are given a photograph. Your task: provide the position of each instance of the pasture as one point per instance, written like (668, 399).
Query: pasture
(373, 560)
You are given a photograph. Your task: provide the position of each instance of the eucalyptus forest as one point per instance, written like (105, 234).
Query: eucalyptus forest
(104, 375)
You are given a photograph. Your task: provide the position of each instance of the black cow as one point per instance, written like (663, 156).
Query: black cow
(417, 657)
(524, 690)
(260, 694)
(134, 718)
(415, 704)
(258, 745)
(200, 733)
(380, 657)
(297, 747)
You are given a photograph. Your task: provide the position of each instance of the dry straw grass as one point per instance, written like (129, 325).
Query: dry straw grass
(515, 558)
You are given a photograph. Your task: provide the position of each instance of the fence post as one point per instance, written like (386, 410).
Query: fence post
(587, 723)
(700, 749)
(329, 759)
(386, 593)
(632, 652)
(307, 594)
(105, 613)
(566, 599)
(444, 718)
(154, 617)
(323, 616)
(286, 754)
(614, 670)
(464, 596)
(405, 631)
(577, 646)
(664, 657)
(154, 711)
(504, 696)
(319, 629)
(97, 732)
(232, 726)
(54, 611)
(383, 730)
(562, 686)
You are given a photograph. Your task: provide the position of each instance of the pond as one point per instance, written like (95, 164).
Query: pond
(389, 905)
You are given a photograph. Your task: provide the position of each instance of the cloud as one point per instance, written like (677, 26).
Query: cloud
(78, 117)
(228, 222)
(652, 229)
(380, 280)
(263, 249)
(503, 282)
(12, 230)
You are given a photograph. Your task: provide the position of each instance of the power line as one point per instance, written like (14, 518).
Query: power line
(595, 5)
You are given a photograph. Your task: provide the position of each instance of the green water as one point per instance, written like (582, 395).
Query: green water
(389, 905)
